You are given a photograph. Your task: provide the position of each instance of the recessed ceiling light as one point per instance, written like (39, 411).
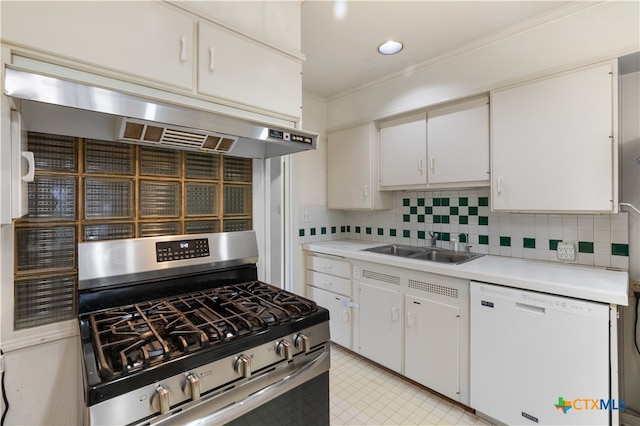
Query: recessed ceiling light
(390, 47)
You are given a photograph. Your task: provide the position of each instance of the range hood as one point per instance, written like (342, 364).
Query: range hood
(54, 105)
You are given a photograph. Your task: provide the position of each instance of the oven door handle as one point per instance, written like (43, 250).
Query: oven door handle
(264, 395)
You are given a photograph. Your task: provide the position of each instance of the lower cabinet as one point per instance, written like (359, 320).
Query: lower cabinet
(416, 324)
(340, 313)
(381, 325)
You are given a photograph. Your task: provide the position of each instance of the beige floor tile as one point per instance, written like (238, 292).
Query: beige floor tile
(361, 393)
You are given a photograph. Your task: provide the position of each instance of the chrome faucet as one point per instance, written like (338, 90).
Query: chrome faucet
(467, 247)
(434, 238)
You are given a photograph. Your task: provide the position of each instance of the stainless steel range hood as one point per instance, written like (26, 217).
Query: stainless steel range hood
(54, 105)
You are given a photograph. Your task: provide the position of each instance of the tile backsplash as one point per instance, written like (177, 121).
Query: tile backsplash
(600, 240)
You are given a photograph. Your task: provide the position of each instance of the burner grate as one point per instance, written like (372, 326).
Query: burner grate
(134, 337)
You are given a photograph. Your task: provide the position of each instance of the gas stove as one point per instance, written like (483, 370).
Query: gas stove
(180, 330)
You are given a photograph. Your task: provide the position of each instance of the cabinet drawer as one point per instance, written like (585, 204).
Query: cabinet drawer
(329, 282)
(329, 266)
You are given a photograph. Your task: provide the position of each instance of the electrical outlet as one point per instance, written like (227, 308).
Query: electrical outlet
(306, 216)
(566, 251)
(635, 286)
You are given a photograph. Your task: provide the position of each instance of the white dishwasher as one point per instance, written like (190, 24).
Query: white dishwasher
(538, 358)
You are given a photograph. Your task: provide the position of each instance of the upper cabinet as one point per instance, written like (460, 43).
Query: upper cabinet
(458, 144)
(554, 143)
(159, 45)
(352, 173)
(446, 147)
(239, 69)
(150, 40)
(403, 151)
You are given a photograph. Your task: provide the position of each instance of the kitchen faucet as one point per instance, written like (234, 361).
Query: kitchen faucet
(434, 238)
(467, 247)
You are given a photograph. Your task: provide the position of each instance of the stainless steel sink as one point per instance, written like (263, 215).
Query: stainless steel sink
(430, 254)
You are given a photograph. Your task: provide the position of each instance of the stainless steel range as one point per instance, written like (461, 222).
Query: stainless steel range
(178, 330)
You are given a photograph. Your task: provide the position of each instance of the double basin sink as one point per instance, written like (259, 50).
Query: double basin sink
(431, 254)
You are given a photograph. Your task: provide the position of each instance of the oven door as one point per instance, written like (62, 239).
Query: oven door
(292, 393)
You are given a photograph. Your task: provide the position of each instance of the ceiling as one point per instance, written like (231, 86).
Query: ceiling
(340, 38)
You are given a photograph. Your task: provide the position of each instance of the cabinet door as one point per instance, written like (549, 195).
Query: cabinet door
(339, 313)
(403, 151)
(458, 143)
(238, 69)
(350, 170)
(381, 326)
(552, 144)
(432, 345)
(150, 40)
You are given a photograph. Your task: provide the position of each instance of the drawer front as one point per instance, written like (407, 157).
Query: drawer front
(329, 266)
(329, 282)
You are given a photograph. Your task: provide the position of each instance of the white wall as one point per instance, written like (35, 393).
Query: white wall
(603, 31)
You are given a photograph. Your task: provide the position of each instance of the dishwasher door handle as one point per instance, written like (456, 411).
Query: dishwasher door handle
(530, 308)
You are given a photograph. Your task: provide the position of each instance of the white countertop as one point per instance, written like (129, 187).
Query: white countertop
(582, 282)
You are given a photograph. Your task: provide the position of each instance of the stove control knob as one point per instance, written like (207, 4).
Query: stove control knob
(192, 387)
(242, 365)
(283, 349)
(162, 398)
(302, 342)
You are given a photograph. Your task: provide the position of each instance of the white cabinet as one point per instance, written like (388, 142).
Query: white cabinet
(238, 69)
(381, 325)
(352, 172)
(149, 40)
(446, 147)
(553, 143)
(403, 151)
(432, 345)
(329, 285)
(416, 324)
(458, 144)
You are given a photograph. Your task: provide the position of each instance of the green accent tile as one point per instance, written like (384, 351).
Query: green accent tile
(348, 228)
(343, 229)
(406, 233)
(405, 202)
(421, 235)
(420, 202)
(333, 229)
(585, 247)
(463, 201)
(483, 220)
(437, 218)
(301, 232)
(529, 243)
(436, 202)
(368, 231)
(483, 239)
(473, 211)
(453, 211)
(553, 244)
(444, 219)
(380, 231)
(357, 229)
(428, 210)
(421, 218)
(392, 232)
(463, 238)
(413, 210)
(406, 218)
(323, 230)
(445, 236)
(483, 201)
(505, 241)
(444, 202)
(620, 249)
(313, 231)
(463, 220)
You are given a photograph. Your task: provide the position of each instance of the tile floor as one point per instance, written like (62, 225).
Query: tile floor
(361, 393)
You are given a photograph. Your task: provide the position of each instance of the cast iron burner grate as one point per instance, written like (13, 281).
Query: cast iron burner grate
(137, 336)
